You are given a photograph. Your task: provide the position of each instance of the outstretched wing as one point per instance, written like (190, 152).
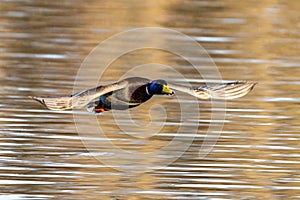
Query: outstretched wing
(230, 90)
(80, 99)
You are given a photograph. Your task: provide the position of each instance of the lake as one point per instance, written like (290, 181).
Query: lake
(156, 150)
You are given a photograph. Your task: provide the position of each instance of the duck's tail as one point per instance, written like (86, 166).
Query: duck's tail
(55, 103)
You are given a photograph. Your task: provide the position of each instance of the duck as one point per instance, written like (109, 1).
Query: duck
(134, 91)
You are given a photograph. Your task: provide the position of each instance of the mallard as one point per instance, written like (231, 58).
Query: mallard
(134, 91)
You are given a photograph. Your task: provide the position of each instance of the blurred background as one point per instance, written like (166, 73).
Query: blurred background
(42, 45)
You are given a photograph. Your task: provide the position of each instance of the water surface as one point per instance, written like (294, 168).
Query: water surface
(43, 44)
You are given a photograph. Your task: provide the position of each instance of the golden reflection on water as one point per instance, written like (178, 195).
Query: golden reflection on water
(42, 46)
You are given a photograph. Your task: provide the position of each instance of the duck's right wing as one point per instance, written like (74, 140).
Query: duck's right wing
(80, 99)
(231, 90)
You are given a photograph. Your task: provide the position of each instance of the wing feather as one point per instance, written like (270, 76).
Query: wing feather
(230, 90)
(80, 99)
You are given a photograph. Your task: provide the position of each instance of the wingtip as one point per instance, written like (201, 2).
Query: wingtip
(243, 82)
(244, 88)
(38, 99)
(252, 84)
(232, 90)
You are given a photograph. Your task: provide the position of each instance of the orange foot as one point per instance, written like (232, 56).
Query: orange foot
(98, 110)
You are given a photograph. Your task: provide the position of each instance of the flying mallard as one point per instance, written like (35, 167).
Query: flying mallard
(132, 92)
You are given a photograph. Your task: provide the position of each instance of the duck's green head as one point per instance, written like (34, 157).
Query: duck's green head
(159, 87)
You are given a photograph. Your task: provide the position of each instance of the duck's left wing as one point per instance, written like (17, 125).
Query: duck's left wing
(231, 90)
(80, 99)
